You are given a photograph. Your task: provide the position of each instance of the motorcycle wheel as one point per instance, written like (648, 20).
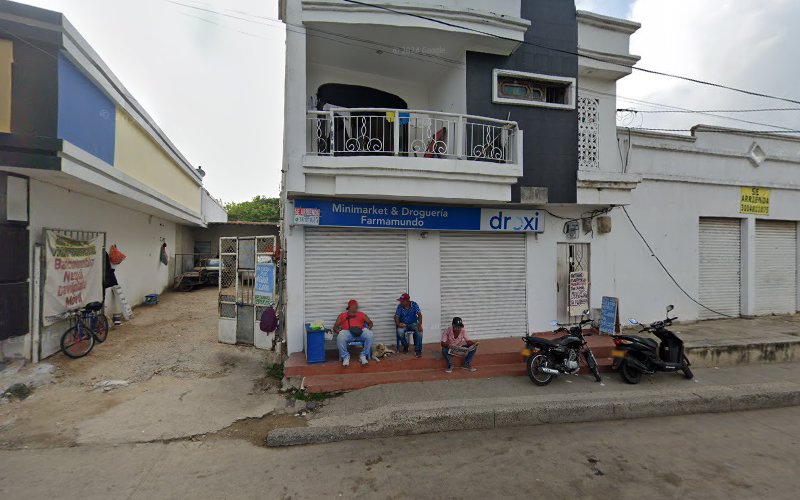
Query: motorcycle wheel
(687, 372)
(535, 362)
(185, 287)
(629, 374)
(589, 355)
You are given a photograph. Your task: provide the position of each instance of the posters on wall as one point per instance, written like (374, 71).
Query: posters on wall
(578, 292)
(265, 281)
(74, 275)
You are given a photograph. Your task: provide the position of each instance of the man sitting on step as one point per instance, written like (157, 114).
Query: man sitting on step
(353, 325)
(456, 342)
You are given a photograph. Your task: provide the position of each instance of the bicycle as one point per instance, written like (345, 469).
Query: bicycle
(87, 326)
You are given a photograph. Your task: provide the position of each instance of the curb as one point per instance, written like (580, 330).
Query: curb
(538, 411)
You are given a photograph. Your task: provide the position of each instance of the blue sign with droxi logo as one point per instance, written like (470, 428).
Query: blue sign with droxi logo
(336, 213)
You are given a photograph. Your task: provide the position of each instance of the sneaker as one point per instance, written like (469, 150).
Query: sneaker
(469, 368)
(449, 369)
(418, 354)
(346, 362)
(363, 359)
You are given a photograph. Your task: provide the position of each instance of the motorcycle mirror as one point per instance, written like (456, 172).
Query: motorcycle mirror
(586, 312)
(633, 321)
(670, 307)
(554, 323)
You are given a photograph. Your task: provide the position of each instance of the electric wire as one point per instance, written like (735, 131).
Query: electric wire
(575, 53)
(664, 267)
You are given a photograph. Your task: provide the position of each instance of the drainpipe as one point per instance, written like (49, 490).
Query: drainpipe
(36, 296)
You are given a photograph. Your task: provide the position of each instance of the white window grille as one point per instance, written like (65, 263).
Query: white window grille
(588, 133)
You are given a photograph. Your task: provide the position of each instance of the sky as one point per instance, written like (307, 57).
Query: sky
(211, 72)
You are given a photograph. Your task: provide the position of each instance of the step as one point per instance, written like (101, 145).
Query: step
(360, 377)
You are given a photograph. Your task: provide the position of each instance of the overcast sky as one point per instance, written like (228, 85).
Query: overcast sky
(211, 71)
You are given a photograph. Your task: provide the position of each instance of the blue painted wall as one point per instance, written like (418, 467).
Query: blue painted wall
(86, 117)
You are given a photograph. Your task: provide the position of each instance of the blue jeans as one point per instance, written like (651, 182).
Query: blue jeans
(345, 336)
(449, 358)
(403, 339)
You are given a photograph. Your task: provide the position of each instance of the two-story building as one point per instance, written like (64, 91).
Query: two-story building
(79, 155)
(456, 152)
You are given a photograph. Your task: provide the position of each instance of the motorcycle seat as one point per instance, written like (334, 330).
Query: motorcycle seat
(643, 340)
(551, 343)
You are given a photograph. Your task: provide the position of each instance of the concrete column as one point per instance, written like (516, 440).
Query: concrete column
(295, 288)
(295, 100)
(424, 284)
(541, 279)
(748, 276)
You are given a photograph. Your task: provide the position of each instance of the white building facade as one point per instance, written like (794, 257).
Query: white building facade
(440, 161)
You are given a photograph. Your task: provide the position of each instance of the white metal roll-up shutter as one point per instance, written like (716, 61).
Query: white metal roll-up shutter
(720, 266)
(776, 267)
(483, 282)
(344, 264)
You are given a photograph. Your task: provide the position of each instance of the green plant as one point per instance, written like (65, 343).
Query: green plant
(303, 395)
(259, 209)
(275, 370)
(18, 391)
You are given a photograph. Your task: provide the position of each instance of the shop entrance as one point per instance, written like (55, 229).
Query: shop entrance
(572, 257)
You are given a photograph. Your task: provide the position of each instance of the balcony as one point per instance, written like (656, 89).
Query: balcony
(411, 154)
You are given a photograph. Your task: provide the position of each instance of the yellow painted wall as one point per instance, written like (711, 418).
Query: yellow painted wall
(144, 160)
(6, 59)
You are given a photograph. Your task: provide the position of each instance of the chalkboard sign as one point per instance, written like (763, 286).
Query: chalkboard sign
(609, 315)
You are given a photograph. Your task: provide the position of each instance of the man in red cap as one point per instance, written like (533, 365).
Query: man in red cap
(408, 318)
(350, 325)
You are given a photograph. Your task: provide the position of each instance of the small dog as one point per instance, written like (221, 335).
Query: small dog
(381, 351)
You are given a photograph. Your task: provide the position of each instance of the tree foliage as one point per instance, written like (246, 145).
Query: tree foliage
(259, 209)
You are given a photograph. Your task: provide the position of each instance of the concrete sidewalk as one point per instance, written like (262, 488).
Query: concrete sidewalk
(418, 408)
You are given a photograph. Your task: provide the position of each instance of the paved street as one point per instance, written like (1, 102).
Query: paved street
(734, 455)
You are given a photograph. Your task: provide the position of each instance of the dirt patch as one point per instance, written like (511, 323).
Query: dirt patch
(255, 430)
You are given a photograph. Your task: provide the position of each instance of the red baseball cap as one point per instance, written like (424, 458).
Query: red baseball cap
(404, 297)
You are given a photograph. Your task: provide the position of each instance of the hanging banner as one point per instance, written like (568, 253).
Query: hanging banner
(578, 292)
(74, 275)
(265, 281)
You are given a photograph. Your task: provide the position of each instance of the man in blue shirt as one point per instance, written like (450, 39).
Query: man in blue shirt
(408, 318)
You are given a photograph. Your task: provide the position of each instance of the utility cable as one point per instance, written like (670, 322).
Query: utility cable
(671, 277)
(575, 53)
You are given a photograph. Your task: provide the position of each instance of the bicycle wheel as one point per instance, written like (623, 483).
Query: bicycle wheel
(77, 342)
(100, 329)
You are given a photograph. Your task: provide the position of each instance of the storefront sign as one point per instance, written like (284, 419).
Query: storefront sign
(578, 292)
(74, 275)
(609, 315)
(334, 213)
(265, 281)
(754, 201)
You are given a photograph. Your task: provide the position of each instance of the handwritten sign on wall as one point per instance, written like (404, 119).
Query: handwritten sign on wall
(578, 292)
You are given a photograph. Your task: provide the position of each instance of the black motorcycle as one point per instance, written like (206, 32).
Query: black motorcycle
(548, 358)
(635, 355)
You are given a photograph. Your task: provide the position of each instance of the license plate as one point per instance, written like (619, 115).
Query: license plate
(617, 354)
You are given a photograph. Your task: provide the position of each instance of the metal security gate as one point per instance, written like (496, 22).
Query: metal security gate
(344, 264)
(776, 267)
(482, 281)
(719, 269)
(240, 305)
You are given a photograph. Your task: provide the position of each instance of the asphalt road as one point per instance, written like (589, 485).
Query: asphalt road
(733, 455)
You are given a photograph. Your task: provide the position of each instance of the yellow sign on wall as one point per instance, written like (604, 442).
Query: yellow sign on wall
(754, 201)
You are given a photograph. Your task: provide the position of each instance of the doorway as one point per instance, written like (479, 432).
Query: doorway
(571, 258)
